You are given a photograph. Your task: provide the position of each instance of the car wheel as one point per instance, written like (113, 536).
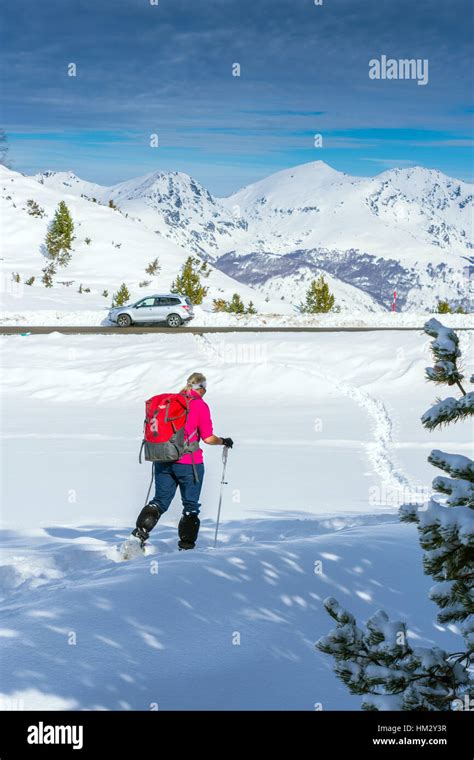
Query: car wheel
(174, 320)
(123, 320)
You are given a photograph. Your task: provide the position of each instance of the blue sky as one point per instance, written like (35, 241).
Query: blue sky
(166, 69)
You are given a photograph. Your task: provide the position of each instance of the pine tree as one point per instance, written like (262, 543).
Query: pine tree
(188, 283)
(48, 273)
(446, 528)
(443, 307)
(380, 663)
(319, 299)
(236, 305)
(60, 236)
(153, 268)
(251, 308)
(33, 209)
(122, 296)
(219, 304)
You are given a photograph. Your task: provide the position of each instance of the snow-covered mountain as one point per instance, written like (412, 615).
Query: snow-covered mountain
(408, 230)
(170, 203)
(402, 212)
(68, 182)
(109, 248)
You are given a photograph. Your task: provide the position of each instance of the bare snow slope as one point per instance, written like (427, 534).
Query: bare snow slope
(76, 403)
(231, 629)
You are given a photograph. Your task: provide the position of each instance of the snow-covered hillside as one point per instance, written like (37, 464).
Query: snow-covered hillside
(402, 213)
(109, 248)
(165, 633)
(232, 629)
(171, 203)
(408, 230)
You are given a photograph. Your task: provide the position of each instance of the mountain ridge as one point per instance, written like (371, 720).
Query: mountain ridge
(412, 222)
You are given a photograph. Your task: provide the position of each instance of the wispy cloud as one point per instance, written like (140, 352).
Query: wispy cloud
(167, 69)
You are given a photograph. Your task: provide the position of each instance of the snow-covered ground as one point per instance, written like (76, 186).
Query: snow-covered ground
(328, 444)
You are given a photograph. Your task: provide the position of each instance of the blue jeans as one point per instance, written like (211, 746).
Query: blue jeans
(170, 475)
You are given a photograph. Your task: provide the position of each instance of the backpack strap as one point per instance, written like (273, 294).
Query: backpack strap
(189, 446)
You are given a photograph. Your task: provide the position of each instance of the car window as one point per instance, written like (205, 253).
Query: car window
(167, 301)
(145, 302)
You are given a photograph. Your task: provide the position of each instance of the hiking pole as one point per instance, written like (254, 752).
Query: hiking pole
(225, 453)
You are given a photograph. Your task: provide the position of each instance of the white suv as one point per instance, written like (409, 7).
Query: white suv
(171, 309)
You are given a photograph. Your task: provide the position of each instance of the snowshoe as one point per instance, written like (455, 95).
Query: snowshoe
(134, 546)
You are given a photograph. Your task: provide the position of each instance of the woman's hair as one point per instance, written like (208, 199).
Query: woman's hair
(195, 381)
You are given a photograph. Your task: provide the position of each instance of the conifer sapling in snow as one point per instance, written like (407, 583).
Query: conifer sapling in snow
(443, 307)
(251, 308)
(234, 306)
(48, 273)
(188, 283)
(319, 299)
(33, 208)
(153, 268)
(219, 304)
(60, 236)
(380, 662)
(122, 296)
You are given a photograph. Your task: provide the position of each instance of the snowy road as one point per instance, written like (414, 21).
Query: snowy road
(135, 330)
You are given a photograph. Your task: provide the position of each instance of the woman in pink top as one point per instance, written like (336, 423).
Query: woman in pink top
(187, 473)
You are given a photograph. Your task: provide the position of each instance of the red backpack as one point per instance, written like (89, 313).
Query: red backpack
(163, 435)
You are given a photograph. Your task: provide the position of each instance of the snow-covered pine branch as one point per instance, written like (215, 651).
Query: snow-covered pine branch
(456, 465)
(460, 491)
(449, 410)
(444, 372)
(380, 664)
(446, 343)
(446, 352)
